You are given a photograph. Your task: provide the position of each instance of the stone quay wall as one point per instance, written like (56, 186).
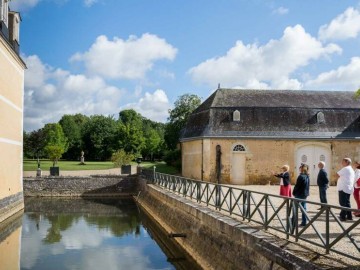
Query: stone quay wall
(217, 241)
(92, 186)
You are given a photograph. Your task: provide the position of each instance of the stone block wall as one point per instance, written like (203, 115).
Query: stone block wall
(106, 185)
(262, 157)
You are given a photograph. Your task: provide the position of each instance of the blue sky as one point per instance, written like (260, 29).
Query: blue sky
(102, 56)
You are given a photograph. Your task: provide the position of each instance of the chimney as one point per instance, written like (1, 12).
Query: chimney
(14, 30)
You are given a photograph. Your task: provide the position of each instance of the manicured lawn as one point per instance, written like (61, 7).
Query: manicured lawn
(31, 165)
(161, 167)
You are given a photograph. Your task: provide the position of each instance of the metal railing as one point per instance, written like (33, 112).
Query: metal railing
(279, 214)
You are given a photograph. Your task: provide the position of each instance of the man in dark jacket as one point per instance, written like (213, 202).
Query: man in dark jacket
(322, 182)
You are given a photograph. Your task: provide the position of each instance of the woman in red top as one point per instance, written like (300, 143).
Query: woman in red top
(357, 187)
(285, 183)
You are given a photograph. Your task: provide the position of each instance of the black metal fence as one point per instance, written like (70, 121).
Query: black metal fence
(275, 213)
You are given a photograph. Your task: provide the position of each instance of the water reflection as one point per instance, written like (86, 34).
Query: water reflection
(10, 242)
(85, 234)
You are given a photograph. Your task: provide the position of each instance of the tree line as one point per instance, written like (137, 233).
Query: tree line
(101, 136)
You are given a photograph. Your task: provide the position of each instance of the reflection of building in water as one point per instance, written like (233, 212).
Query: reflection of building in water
(11, 113)
(10, 242)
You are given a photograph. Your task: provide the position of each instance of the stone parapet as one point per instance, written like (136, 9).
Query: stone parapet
(96, 185)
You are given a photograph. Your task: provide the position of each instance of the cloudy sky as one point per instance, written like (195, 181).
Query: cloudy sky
(102, 56)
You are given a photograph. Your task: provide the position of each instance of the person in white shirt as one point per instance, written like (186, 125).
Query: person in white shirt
(357, 187)
(345, 187)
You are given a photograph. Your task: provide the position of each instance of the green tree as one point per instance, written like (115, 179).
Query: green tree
(152, 143)
(72, 126)
(130, 131)
(34, 143)
(357, 93)
(56, 142)
(99, 137)
(178, 117)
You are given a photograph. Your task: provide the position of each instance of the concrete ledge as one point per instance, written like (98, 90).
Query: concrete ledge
(11, 205)
(217, 241)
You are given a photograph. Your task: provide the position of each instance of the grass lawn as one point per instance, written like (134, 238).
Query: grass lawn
(161, 167)
(31, 165)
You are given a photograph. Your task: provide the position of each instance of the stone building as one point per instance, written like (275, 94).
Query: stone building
(11, 113)
(258, 131)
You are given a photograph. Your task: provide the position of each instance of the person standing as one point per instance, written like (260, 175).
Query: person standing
(285, 183)
(301, 189)
(357, 187)
(345, 187)
(322, 182)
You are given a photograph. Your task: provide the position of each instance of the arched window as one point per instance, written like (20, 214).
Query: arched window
(236, 116)
(239, 148)
(320, 117)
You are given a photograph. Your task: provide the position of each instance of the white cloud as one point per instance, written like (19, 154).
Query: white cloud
(125, 59)
(89, 3)
(22, 5)
(36, 71)
(344, 26)
(343, 78)
(51, 93)
(281, 11)
(269, 65)
(153, 106)
(25, 5)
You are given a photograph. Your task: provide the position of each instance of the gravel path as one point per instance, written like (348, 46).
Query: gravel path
(75, 173)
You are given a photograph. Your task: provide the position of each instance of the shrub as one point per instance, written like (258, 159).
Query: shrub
(173, 158)
(120, 158)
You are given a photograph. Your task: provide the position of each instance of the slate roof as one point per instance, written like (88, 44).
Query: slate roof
(273, 114)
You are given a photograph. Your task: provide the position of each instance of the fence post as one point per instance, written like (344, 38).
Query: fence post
(266, 212)
(198, 192)
(184, 186)
(296, 223)
(154, 174)
(288, 226)
(327, 240)
(217, 196)
(248, 211)
(244, 204)
(230, 192)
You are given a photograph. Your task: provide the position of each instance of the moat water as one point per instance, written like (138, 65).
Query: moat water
(88, 234)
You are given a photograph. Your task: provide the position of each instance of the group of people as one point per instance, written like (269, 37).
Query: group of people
(348, 183)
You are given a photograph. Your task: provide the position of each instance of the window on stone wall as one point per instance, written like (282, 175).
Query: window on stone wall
(320, 117)
(239, 148)
(236, 116)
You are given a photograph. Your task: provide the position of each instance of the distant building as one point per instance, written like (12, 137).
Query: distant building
(11, 113)
(260, 130)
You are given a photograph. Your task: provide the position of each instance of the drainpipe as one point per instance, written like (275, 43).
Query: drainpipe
(218, 164)
(202, 160)
(218, 175)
